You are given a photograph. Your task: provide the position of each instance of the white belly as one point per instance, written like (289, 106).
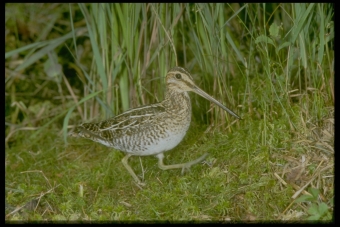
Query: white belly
(163, 144)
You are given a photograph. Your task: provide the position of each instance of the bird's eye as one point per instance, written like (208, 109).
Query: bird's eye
(178, 76)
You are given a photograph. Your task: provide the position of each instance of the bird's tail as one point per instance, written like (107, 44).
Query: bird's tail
(76, 132)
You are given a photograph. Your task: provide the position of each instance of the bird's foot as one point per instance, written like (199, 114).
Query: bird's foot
(140, 184)
(187, 165)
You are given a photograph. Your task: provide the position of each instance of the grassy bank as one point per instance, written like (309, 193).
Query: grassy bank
(272, 64)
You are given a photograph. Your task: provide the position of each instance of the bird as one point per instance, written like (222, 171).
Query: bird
(151, 130)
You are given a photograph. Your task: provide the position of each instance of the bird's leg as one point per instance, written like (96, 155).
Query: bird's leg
(182, 166)
(128, 167)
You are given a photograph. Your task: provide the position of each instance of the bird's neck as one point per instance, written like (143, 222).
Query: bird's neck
(177, 101)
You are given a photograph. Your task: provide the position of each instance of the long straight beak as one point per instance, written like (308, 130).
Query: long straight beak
(197, 90)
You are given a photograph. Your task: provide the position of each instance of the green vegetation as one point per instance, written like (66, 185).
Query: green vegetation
(272, 64)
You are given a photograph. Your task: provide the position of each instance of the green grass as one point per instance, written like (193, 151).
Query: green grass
(273, 64)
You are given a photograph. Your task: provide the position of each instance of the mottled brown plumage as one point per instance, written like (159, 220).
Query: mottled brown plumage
(151, 129)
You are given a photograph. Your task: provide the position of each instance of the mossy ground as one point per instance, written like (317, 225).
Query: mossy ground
(238, 180)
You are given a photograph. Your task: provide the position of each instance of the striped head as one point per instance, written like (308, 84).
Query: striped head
(179, 80)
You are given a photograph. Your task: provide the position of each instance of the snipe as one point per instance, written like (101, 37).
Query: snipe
(151, 129)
